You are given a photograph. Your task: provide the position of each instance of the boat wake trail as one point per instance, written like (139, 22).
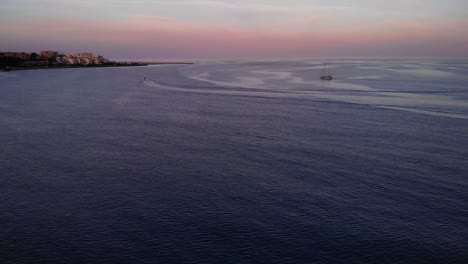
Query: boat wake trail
(377, 89)
(217, 90)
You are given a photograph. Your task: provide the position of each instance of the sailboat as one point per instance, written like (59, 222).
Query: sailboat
(326, 76)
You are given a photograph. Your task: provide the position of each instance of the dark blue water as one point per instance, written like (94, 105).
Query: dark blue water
(97, 167)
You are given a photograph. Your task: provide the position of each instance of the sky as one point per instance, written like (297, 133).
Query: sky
(243, 29)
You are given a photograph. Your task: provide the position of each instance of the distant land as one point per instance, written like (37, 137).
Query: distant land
(53, 59)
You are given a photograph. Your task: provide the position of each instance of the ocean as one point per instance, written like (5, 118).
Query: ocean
(236, 162)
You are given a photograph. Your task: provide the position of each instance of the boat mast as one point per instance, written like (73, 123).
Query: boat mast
(325, 70)
(326, 73)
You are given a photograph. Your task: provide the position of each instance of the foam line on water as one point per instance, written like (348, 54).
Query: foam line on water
(426, 112)
(243, 81)
(155, 84)
(6, 74)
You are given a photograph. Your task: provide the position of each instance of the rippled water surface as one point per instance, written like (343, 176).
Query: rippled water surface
(236, 162)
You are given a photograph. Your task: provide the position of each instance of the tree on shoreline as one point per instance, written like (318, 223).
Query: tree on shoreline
(34, 56)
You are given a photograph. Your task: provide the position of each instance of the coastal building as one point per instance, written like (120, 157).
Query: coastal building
(87, 58)
(49, 54)
(49, 58)
(80, 59)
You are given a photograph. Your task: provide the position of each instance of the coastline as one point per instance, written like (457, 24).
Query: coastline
(122, 64)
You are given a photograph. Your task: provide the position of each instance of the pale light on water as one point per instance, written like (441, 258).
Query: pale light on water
(420, 85)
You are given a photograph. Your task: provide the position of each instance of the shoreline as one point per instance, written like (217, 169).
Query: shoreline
(123, 64)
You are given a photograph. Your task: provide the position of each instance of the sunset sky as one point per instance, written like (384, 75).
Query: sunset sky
(224, 29)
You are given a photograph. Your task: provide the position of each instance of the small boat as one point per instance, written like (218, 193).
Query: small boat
(326, 76)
